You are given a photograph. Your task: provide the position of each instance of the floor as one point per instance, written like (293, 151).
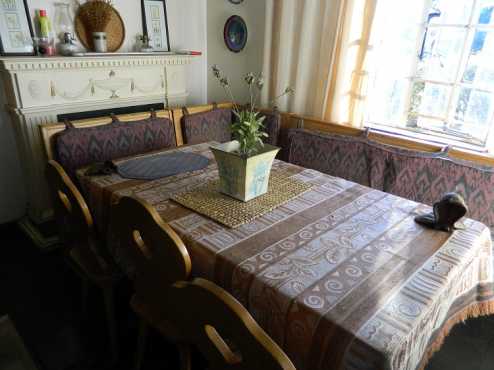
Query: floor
(42, 297)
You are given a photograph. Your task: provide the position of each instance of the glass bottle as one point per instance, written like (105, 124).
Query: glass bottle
(64, 23)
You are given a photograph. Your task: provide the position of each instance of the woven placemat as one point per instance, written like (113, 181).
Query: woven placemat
(208, 201)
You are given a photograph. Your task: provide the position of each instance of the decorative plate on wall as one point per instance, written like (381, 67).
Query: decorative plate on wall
(235, 33)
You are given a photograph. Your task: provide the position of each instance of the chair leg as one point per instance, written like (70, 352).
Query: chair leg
(111, 322)
(185, 357)
(141, 344)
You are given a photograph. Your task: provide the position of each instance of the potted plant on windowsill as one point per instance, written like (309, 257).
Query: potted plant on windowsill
(244, 164)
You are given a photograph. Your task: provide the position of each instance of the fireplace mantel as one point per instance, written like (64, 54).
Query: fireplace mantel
(38, 90)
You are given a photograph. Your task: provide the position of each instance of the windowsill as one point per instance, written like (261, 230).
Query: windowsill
(428, 138)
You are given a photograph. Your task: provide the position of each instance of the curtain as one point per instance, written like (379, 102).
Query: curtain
(298, 45)
(347, 89)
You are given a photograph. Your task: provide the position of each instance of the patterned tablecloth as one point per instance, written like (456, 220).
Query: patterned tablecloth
(341, 277)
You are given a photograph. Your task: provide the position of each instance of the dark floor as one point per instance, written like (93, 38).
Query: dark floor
(42, 297)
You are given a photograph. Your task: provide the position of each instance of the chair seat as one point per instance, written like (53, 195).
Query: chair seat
(92, 266)
(154, 316)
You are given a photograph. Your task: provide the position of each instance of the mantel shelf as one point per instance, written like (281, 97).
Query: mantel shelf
(23, 63)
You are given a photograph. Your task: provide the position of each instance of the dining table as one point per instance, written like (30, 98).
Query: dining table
(340, 276)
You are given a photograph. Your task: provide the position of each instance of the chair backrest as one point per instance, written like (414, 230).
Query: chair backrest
(212, 125)
(222, 329)
(178, 114)
(156, 253)
(71, 211)
(79, 143)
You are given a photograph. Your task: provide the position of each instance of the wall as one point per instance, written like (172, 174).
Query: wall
(186, 25)
(234, 65)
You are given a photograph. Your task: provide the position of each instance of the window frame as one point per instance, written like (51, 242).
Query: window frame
(448, 135)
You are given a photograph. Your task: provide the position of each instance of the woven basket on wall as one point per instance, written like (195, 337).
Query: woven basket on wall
(115, 32)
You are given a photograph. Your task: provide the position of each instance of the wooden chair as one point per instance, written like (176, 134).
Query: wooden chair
(158, 258)
(221, 328)
(83, 249)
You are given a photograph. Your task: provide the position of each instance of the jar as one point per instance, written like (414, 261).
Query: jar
(67, 47)
(46, 46)
(99, 42)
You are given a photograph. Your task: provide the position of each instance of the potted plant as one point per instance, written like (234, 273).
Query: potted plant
(244, 164)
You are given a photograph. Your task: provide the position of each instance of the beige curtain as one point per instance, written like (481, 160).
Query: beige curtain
(298, 47)
(348, 83)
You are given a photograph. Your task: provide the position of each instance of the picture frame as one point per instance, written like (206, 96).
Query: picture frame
(155, 24)
(16, 29)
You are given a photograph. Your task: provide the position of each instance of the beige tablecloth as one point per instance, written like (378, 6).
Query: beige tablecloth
(341, 277)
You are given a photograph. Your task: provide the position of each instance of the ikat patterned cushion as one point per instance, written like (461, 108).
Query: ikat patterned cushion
(78, 147)
(214, 125)
(335, 155)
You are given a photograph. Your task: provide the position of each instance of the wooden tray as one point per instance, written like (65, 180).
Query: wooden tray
(115, 32)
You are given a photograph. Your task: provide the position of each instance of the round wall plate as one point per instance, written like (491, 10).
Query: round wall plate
(236, 1)
(235, 33)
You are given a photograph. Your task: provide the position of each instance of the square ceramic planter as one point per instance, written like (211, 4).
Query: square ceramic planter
(243, 178)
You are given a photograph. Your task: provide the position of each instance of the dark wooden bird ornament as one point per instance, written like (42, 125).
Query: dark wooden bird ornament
(445, 213)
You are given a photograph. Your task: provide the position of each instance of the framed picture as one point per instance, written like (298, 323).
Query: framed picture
(16, 30)
(155, 24)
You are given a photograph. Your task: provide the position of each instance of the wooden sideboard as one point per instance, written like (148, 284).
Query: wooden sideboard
(38, 90)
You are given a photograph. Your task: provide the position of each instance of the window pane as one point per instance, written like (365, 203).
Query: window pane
(473, 107)
(483, 14)
(430, 99)
(441, 53)
(480, 67)
(450, 11)
(387, 102)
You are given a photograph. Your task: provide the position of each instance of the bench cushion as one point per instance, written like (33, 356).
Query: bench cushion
(335, 155)
(425, 177)
(420, 176)
(214, 125)
(78, 147)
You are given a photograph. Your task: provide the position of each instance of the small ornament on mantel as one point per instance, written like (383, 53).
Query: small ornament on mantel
(450, 209)
(145, 45)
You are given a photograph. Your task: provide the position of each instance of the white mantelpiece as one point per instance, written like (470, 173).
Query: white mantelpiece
(39, 89)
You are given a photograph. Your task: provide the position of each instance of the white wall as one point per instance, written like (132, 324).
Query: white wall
(234, 65)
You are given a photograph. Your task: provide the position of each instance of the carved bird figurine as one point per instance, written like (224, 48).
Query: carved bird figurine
(445, 213)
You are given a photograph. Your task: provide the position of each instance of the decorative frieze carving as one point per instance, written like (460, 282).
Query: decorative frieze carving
(70, 63)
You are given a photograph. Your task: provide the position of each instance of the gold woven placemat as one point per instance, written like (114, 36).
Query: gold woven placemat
(208, 201)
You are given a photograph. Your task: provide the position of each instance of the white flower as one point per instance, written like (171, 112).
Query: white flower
(249, 78)
(216, 71)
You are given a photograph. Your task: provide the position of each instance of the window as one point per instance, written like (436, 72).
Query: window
(431, 69)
